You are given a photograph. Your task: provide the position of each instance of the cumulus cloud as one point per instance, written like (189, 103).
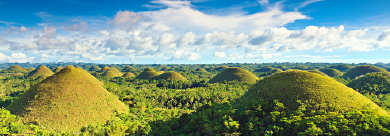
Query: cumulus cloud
(15, 57)
(49, 30)
(219, 54)
(82, 26)
(186, 39)
(123, 18)
(385, 36)
(181, 55)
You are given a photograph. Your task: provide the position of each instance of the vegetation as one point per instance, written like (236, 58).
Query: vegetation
(341, 67)
(362, 70)
(129, 69)
(290, 86)
(332, 72)
(104, 70)
(42, 71)
(14, 69)
(318, 72)
(234, 73)
(265, 69)
(67, 101)
(112, 72)
(95, 69)
(200, 70)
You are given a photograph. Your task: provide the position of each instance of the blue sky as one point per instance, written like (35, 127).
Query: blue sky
(194, 31)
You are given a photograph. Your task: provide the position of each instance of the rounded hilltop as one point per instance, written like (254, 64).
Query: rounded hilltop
(128, 75)
(234, 73)
(362, 70)
(129, 69)
(290, 86)
(57, 69)
(103, 70)
(112, 72)
(201, 70)
(94, 68)
(331, 72)
(170, 75)
(317, 72)
(14, 69)
(264, 69)
(42, 71)
(372, 83)
(148, 73)
(67, 101)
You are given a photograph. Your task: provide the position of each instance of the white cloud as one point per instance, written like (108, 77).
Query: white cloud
(173, 4)
(385, 36)
(181, 55)
(126, 18)
(186, 39)
(219, 54)
(305, 3)
(49, 30)
(166, 39)
(82, 26)
(15, 57)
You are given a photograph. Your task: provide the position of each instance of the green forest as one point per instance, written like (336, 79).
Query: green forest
(230, 99)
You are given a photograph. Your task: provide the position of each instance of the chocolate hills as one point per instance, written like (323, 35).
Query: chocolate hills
(318, 72)
(103, 70)
(112, 72)
(129, 69)
(148, 73)
(128, 75)
(14, 69)
(373, 83)
(362, 70)
(57, 69)
(234, 73)
(170, 75)
(293, 85)
(30, 69)
(201, 70)
(42, 71)
(331, 72)
(67, 101)
(264, 69)
(94, 68)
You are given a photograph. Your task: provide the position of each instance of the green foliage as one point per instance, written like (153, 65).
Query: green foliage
(148, 73)
(94, 69)
(234, 73)
(265, 69)
(332, 72)
(14, 69)
(293, 85)
(362, 70)
(341, 67)
(129, 69)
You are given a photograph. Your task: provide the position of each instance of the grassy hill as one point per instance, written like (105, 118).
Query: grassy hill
(67, 101)
(57, 69)
(362, 70)
(170, 75)
(112, 72)
(129, 69)
(30, 69)
(14, 69)
(202, 70)
(128, 75)
(42, 71)
(318, 72)
(103, 70)
(293, 85)
(331, 72)
(376, 83)
(234, 73)
(265, 69)
(148, 73)
(94, 68)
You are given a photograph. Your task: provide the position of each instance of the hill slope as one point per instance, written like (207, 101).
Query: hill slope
(128, 74)
(42, 71)
(112, 72)
(170, 75)
(57, 69)
(14, 69)
(234, 73)
(67, 101)
(362, 70)
(148, 73)
(293, 85)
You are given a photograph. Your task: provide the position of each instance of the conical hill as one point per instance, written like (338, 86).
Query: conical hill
(67, 101)
(30, 69)
(293, 85)
(362, 70)
(14, 69)
(201, 70)
(57, 69)
(128, 74)
(148, 73)
(331, 72)
(372, 83)
(234, 73)
(103, 70)
(95, 68)
(42, 71)
(112, 72)
(170, 75)
(318, 72)
(129, 69)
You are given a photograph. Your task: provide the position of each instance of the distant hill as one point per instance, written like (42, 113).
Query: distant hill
(234, 73)
(148, 73)
(170, 75)
(331, 72)
(57, 69)
(128, 75)
(112, 72)
(14, 69)
(362, 70)
(129, 69)
(94, 68)
(42, 71)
